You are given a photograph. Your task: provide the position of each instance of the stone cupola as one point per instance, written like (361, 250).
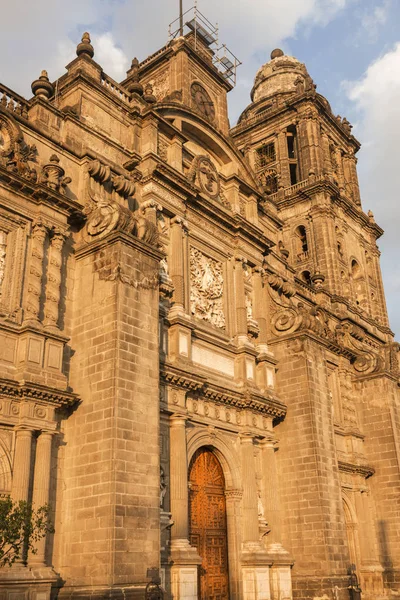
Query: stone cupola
(280, 75)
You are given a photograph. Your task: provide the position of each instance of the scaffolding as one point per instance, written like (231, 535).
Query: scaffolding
(206, 33)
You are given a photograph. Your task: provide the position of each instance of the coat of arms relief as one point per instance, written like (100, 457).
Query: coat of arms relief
(206, 288)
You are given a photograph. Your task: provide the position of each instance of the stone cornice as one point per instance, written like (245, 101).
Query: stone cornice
(39, 193)
(267, 403)
(348, 467)
(36, 391)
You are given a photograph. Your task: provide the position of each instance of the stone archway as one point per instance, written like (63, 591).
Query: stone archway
(208, 524)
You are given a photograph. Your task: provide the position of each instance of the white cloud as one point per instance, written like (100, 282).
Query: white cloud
(125, 28)
(109, 56)
(372, 21)
(377, 98)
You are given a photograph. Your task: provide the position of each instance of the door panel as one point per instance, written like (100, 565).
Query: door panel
(208, 524)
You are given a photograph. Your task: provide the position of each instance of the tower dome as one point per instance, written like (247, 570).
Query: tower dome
(278, 76)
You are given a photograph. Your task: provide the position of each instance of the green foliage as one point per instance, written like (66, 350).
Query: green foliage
(21, 526)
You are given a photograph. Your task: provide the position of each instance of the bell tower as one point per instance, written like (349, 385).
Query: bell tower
(305, 160)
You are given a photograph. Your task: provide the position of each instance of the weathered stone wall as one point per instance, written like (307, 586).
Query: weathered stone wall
(111, 460)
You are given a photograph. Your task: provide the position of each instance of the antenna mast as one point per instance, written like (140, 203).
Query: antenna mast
(181, 18)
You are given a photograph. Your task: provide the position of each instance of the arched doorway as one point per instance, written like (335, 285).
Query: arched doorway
(208, 531)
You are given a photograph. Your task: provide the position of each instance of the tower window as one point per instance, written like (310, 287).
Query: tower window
(290, 146)
(293, 173)
(355, 269)
(301, 243)
(265, 155)
(306, 277)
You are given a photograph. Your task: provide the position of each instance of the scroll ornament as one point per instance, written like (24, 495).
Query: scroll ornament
(15, 154)
(205, 173)
(105, 211)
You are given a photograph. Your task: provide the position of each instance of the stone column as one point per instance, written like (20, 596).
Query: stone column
(179, 479)
(35, 276)
(250, 498)
(176, 154)
(233, 519)
(283, 158)
(41, 488)
(149, 208)
(22, 464)
(241, 310)
(149, 136)
(184, 556)
(327, 168)
(260, 309)
(255, 560)
(313, 141)
(271, 492)
(177, 264)
(51, 307)
(354, 178)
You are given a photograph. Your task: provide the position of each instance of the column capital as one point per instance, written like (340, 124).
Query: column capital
(269, 442)
(47, 433)
(234, 494)
(181, 222)
(24, 429)
(178, 419)
(150, 204)
(246, 438)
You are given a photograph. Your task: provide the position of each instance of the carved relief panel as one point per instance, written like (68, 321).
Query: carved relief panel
(206, 288)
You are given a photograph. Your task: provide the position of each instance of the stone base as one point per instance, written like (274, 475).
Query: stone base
(184, 570)
(255, 572)
(319, 586)
(256, 584)
(280, 572)
(136, 592)
(26, 583)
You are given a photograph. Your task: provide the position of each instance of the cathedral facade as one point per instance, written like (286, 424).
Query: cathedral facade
(197, 372)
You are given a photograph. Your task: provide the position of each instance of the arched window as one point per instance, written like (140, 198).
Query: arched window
(355, 269)
(301, 243)
(306, 277)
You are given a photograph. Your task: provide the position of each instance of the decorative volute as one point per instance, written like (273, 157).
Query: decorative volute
(42, 87)
(85, 47)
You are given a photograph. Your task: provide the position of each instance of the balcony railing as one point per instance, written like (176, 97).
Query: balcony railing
(115, 88)
(13, 102)
(302, 256)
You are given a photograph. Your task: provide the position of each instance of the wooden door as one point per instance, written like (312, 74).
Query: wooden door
(208, 524)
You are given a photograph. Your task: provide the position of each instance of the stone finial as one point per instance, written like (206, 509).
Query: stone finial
(85, 47)
(371, 217)
(134, 86)
(277, 53)
(318, 279)
(53, 175)
(148, 94)
(42, 87)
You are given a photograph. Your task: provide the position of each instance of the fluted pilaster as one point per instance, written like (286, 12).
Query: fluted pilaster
(53, 288)
(35, 276)
(22, 464)
(179, 478)
(178, 227)
(41, 487)
(250, 498)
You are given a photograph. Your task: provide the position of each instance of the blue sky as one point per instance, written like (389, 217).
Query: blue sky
(351, 49)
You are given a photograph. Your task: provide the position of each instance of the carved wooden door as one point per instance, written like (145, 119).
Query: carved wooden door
(208, 524)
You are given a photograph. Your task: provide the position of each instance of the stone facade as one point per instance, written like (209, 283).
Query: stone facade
(180, 303)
